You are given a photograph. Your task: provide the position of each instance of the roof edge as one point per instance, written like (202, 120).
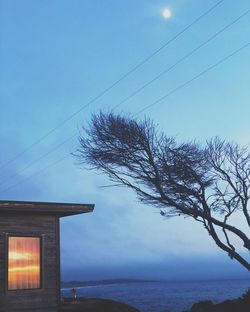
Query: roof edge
(34, 207)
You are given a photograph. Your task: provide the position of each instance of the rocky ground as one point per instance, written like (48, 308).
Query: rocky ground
(103, 305)
(238, 305)
(96, 305)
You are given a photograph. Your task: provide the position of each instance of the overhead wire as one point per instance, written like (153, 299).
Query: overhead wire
(38, 159)
(124, 76)
(181, 86)
(164, 72)
(159, 100)
(36, 173)
(181, 59)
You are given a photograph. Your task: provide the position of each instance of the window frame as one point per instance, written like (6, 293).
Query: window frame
(20, 235)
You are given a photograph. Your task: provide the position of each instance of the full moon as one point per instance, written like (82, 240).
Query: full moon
(166, 13)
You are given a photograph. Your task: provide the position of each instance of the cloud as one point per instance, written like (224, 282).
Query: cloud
(121, 238)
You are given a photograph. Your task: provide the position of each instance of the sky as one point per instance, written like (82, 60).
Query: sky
(56, 57)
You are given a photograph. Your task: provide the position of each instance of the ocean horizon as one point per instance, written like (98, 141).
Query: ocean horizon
(164, 295)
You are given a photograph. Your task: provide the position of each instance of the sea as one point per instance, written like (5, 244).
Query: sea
(165, 296)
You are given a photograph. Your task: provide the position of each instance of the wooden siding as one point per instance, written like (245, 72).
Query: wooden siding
(48, 297)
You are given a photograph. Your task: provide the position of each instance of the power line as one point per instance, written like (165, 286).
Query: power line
(181, 59)
(38, 159)
(154, 103)
(35, 174)
(132, 70)
(186, 56)
(194, 78)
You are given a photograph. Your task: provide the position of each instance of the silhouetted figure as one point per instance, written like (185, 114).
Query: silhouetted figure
(73, 290)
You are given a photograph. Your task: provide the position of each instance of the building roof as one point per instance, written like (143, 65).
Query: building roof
(49, 208)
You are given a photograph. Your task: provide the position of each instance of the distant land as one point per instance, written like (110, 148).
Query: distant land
(71, 284)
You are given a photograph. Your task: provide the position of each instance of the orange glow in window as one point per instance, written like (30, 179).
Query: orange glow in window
(24, 263)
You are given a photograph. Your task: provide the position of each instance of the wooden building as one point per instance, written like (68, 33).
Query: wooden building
(30, 254)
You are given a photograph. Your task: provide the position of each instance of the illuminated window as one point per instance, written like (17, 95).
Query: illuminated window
(24, 267)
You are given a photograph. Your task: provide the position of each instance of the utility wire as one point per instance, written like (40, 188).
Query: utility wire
(164, 72)
(194, 78)
(38, 159)
(181, 59)
(132, 70)
(152, 104)
(35, 174)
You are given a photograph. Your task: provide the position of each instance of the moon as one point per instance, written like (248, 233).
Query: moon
(166, 13)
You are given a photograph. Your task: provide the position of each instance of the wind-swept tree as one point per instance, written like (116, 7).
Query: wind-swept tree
(209, 183)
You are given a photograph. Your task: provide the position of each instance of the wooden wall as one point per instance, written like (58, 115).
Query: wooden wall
(48, 297)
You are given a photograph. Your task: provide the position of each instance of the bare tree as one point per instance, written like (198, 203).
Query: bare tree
(208, 183)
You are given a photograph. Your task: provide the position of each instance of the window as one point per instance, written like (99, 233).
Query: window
(24, 262)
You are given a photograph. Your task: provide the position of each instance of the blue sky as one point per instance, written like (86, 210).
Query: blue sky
(55, 56)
